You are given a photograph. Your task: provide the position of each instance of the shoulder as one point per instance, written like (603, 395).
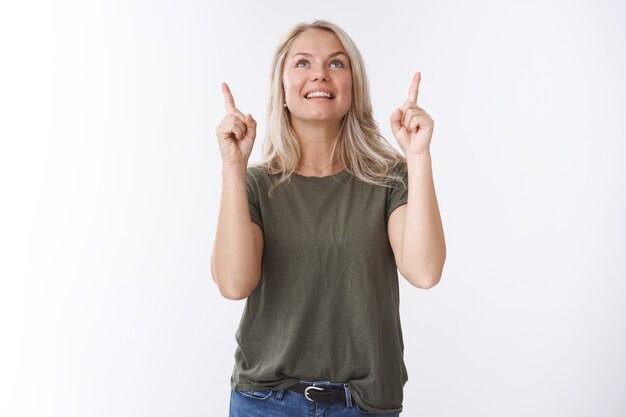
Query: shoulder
(399, 168)
(255, 170)
(397, 175)
(259, 179)
(257, 173)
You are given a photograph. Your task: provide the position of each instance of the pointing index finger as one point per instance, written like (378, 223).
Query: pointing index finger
(415, 85)
(228, 98)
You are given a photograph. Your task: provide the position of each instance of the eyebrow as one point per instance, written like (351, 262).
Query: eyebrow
(331, 55)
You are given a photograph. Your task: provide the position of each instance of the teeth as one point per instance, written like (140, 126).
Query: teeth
(318, 94)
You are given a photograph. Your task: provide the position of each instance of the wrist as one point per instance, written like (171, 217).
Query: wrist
(411, 157)
(229, 168)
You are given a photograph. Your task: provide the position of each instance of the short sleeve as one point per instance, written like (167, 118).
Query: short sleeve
(399, 193)
(253, 198)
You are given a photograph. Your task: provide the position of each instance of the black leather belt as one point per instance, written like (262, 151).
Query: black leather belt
(320, 394)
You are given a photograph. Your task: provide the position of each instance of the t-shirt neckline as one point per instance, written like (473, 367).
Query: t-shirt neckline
(339, 175)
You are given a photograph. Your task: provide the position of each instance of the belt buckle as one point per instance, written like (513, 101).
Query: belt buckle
(306, 391)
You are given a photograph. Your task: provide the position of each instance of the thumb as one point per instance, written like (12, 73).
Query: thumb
(395, 120)
(250, 124)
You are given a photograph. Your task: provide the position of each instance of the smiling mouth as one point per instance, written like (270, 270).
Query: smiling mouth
(320, 96)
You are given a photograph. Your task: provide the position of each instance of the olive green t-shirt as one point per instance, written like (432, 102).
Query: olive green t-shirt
(327, 305)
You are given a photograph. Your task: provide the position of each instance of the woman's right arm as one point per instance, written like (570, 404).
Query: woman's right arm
(238, 248)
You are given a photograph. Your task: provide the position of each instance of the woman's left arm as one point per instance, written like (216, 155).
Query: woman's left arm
(422, 250)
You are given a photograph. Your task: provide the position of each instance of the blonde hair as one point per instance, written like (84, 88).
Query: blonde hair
(360, 148)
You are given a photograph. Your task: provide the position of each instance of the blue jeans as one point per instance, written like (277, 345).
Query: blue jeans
(286, 403)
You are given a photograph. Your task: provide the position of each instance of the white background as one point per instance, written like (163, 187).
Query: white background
(110, 186)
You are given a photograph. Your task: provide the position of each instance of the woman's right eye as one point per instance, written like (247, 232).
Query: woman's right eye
(302, 60)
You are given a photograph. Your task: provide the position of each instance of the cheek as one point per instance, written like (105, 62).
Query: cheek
(287, 81)
(347, 90)
(291, 85)
(347, 84)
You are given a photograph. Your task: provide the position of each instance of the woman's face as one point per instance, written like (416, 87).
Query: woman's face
(321, 67)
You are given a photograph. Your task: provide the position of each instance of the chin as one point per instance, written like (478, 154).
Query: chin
(328, 116)
(320, 119)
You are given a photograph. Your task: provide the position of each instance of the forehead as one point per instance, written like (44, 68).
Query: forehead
(316, 42)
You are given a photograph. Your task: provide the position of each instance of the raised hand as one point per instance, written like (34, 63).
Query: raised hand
(410, 124)
(236, 132)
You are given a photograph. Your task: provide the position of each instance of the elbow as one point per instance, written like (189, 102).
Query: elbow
(427, 276)
(235, 296)
(423, 280)
(235, 282)
(232, 293)
(232, 290)
(429, 283)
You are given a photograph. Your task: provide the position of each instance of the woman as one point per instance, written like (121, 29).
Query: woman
(314, 235)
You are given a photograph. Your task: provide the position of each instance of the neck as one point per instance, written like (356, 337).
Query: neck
(316, 141)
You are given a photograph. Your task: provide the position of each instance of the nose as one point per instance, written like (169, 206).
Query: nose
(320, 73)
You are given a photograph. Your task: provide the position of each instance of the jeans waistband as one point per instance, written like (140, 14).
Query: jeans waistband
(322, 384)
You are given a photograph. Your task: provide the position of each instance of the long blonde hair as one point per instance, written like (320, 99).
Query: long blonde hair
(360, 147)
